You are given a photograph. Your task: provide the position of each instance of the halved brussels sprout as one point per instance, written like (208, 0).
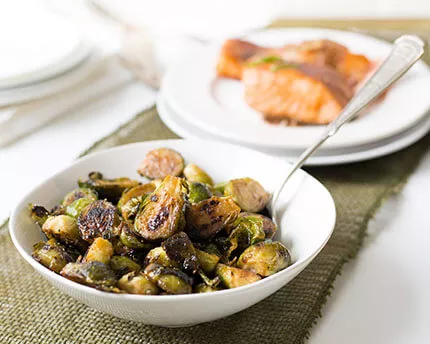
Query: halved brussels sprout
(265, 258)
(162, 213)
(198, 192)
(110, 189)
(171, 280)
(93, 274)
(193, 173)
(101, 250)
(269, 226)
(234, 277)
(52, 255)
(99, 219)
(180, 249)
(122, 265)
(160, 163)
(76, 194)
(218, 189)
(38, 213)
(204, 288)
(247, 231)
(74, 209)
(62, 228)
(130, 200)
(206, 218)
(137, 283)
(207, 261)
(131, 240)
(248, 193)
(159, 256)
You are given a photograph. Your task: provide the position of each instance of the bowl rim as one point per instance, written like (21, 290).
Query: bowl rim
(41, 269)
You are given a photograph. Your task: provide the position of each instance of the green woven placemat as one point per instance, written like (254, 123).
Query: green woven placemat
(32, 311)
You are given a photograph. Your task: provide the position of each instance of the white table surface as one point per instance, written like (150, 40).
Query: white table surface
(383, 296)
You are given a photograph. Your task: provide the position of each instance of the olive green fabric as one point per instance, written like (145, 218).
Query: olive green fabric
(32, 311)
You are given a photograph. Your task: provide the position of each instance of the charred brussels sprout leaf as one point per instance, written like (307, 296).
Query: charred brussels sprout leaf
(204, 288)
(122, 265)
(198, 192)
(171, 280)
(193, 173)
(265, 258)
(269, 226)
(101, 250)
(62, 228)
(205, 219)
(38, 214)
(160, 163)
(207, 261)
(75, 209)
(162, 213)
(76, 194)
(234, 277)
(131, 240)
(248, 193)
(137, 283)
(52, 255)
(247, 231)
(159, 256)
(99, 219)
(180, 249)
(130, 200)
(93, 274)
(110, 189)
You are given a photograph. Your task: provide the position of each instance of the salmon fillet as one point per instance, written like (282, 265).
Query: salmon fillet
(305, 93)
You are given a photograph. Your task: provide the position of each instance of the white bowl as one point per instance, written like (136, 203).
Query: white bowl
(307, 220)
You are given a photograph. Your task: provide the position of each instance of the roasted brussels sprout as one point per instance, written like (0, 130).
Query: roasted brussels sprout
(180, 249)
(162, 213)
(234, 277)
(171, 280)
(130, 200)
(52, 255)
(269, 226)
(131, 240)
(76, 194)
(160, 163)
(62, 228)
(265, 258)
(205, 219)
(247, 231)
(248, 193)
(218, 189)
(110, 189)
(38, 213)
(99, 219)
(198, 192)
(193, 173)
(207, 261)
(137, 283)
(74, 209)
(159, 256)
(93, 274)
(101, 250)
(122, 265)
(204, 288)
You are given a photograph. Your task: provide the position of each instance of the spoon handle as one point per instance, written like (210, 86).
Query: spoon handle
(406, 51)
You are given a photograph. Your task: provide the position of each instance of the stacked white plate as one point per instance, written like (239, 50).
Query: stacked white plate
(40, 58)
(193, 102)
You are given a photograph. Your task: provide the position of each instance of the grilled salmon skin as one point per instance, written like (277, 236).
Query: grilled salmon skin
(304, 93)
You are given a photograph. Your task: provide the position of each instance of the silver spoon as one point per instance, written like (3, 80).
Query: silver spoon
(406, 51)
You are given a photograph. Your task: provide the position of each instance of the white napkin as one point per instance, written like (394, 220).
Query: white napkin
(17, 121)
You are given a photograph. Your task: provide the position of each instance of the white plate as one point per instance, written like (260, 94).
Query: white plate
(50, 86)
(305, 235)
(35, 53)
(217, 105)
(322, 156)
